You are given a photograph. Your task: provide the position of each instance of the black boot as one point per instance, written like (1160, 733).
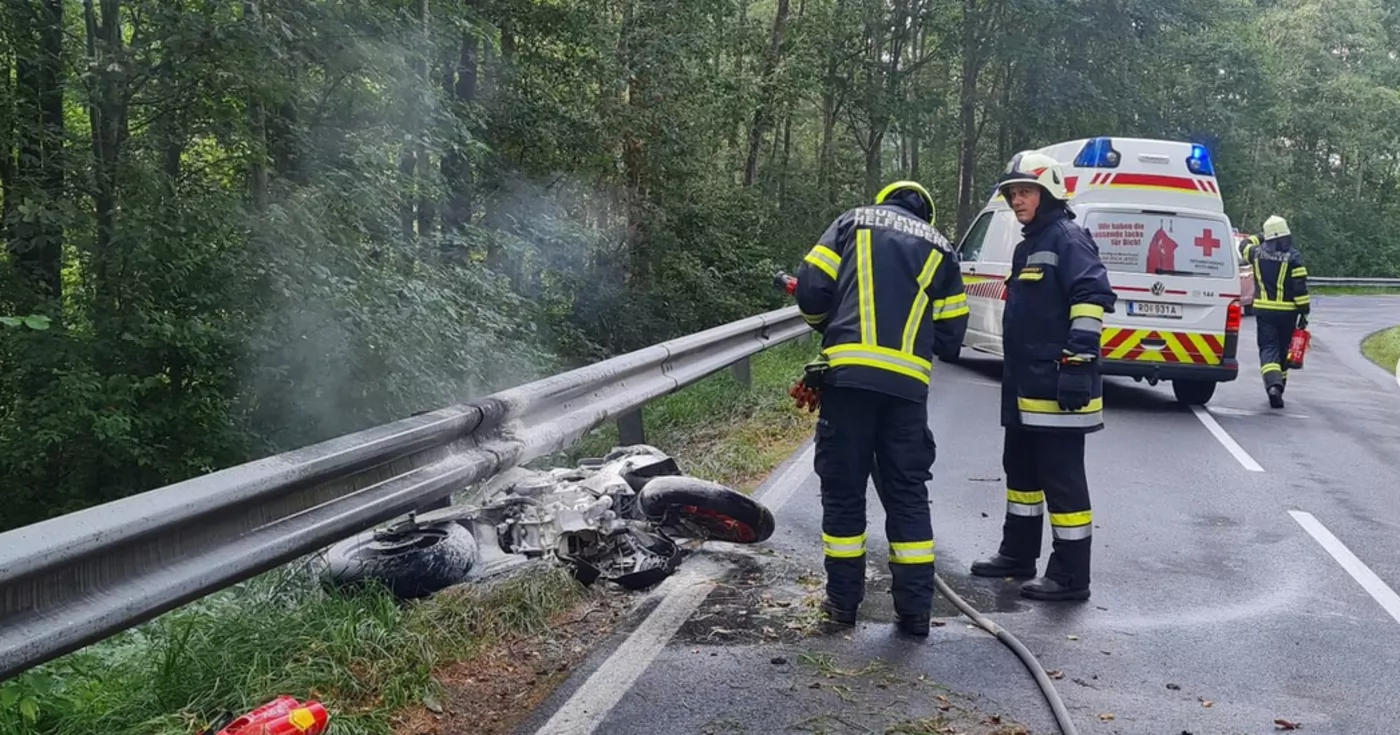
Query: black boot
(914, 625)
(838, 615)
(1052, 591)
(1276, 396)
(1003, 566)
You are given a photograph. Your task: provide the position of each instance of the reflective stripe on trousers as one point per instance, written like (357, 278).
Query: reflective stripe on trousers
(1072, 526)
(1027, 504)
(911, 552)
(844, 547)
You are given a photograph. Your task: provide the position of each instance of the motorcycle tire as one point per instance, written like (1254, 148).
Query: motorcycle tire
(688, 507)
(410, 565)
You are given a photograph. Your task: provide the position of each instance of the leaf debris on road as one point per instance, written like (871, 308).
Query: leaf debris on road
(1283, 724)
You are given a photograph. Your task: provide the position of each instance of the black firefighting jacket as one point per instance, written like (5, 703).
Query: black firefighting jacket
(1056, 296)
(1280, 278)
(885, 290)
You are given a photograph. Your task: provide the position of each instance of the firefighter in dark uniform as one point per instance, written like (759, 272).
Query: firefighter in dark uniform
(1281, 301)
(1051, 398)
(884, 289)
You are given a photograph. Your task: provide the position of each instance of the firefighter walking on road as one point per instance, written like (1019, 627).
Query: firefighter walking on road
(884, 289)
(1281, 301)
(1051, 398)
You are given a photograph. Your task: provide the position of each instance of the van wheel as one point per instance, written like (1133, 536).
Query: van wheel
(1193, 392)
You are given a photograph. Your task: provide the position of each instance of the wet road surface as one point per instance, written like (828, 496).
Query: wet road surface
(1245, 563)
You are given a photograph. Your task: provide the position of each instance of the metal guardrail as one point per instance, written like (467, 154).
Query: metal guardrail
(1362, 282)
(73, 580)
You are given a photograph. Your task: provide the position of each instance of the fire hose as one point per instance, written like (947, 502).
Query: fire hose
(788, 284)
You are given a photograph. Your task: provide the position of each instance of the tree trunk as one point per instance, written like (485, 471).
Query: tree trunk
(459, 84)
(967, 112)
(107, 114)
(38, 172)
(763, 113)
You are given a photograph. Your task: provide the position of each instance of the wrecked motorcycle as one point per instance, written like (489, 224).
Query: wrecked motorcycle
(614, 518)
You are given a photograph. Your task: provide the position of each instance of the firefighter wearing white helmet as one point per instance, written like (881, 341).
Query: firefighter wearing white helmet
(1052, 393)
(1281, 302)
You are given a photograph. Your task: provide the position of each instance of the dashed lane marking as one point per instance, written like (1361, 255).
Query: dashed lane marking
(684, 593)
(1226, 440)
(1377, 589)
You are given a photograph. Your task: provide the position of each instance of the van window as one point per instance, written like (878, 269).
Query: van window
(1163, 244)
(977, 234)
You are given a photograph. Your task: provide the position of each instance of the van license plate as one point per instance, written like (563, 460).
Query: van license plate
(1153, 308)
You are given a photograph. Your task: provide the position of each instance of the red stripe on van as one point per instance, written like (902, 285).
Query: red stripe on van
(1169, 182)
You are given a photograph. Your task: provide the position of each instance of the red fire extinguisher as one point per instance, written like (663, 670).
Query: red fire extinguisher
(282, 716)
(784, 282)
(1297, 348)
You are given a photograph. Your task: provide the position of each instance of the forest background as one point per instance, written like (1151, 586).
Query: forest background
(235, 227)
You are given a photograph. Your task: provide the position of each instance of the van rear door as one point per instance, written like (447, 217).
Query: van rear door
(1175, 273)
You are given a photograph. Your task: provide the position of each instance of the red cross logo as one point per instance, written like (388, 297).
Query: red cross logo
(1207, 243)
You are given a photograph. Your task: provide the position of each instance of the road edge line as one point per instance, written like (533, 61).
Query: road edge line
(1227, 441)
(1369, 581)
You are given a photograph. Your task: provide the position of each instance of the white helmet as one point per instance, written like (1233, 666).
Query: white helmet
(1036, 168)
(1275, 227)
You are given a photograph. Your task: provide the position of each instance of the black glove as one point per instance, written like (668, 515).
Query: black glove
(807, 391)
(1076, 381)
(1302, 321)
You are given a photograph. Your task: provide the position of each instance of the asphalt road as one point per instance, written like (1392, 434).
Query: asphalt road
(1226, 594)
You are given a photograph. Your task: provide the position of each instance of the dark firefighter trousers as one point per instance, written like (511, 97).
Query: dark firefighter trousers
(1275, 333)
(860, 432)
(1047, 469)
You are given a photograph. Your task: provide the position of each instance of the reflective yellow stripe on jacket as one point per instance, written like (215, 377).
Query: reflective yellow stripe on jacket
(824, 258)
(950, 308)
(884, 358)
(1047, 413)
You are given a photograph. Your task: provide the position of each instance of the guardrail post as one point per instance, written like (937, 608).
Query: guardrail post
(743, 372)
(629, 428)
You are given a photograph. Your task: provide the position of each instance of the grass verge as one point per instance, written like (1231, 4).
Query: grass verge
(1383, 347)
(368, 657)
(722, 431)
(364, 656)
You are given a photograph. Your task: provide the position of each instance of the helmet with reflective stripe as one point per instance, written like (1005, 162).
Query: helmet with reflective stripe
(913, 186)
(1275, 227)
(1035, 168)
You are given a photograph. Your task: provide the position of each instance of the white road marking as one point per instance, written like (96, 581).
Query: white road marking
(1226, 440)
(683, 593)
(602, 691)
(1227, 411)
(1358, 570)
(778, 493)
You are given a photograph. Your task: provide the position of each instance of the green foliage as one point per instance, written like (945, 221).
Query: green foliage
(253, 226)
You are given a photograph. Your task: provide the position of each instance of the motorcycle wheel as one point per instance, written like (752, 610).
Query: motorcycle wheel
(688, 507)
(410, 564)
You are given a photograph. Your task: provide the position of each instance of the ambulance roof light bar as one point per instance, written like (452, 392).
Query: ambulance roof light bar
(1098, 153)
(1199, 163)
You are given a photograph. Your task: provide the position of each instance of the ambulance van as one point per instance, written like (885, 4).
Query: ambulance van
(1154, 209)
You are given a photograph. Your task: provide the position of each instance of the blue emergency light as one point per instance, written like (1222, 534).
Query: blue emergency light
(1199, 163)
(1097, 153)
